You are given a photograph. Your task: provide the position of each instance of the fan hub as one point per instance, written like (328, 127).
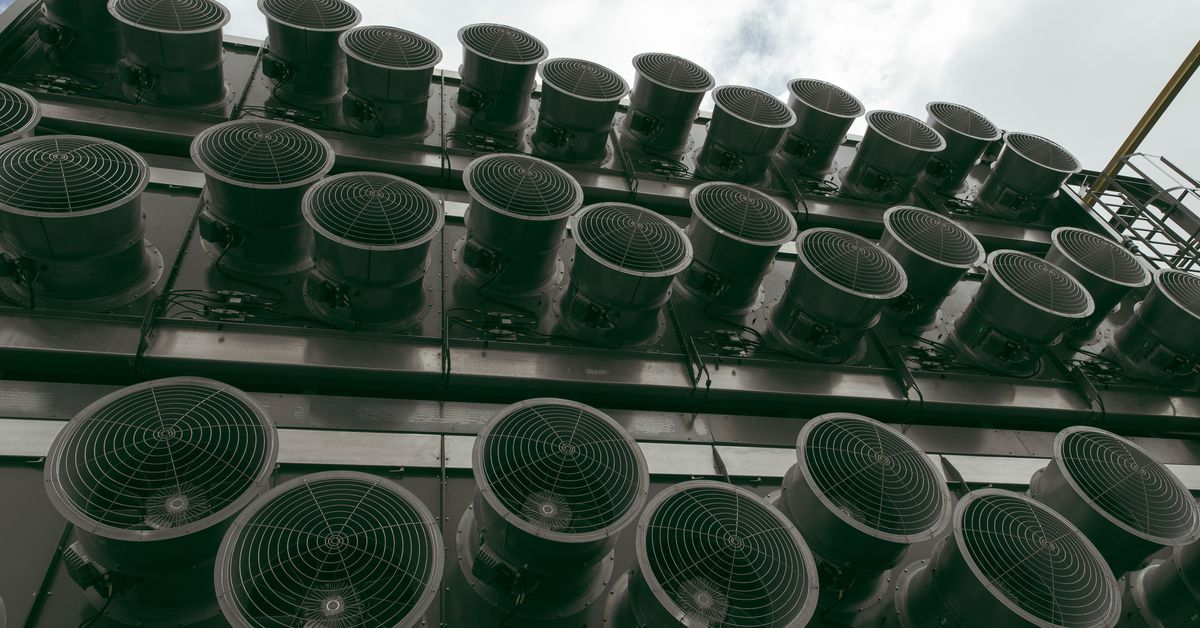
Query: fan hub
(566, 448)
(733, 540)
(333, 606)
(166, 432)
(335, 541)
(882, 459)
(176, 504)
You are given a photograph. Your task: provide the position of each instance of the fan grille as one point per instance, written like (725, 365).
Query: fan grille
(162, 455)
(743, 212)
(331, 549)
(1037, 560)
(632, 238)
(501, 42)
(673, 72)
(584, 79)
(1041, 282)
(874, 475)
(965, 120)
(1183, 288)
(373, 209)
(725, 558)
(262, 152)
(826, 97)
(67, 173)
(561, 466)
(905, 130)
(391, 47)
(18, 111)
(1101, 256)
(316, 14)
(522, 186)
(1042, 152)
(934, 236)
(1126, 483)
(172, 15)
(754, 105)
(851, 262)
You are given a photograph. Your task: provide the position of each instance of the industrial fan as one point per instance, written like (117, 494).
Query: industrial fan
(891, 157)
(967, 133)
(666, 96)
(173, 51)
(935, 251)
(1161, 341)
(301, 56)
(747, 128)
(824, 113)
(1028, 172)
(1106, 269)
(498, 71)
(19, 114)
(388, 74)
(575, 117)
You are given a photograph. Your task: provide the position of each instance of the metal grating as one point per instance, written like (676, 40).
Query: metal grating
(851, 262)
(632, 238)
(390, 47)
(373, 209)
(1124, 482)
(826, 97)
(1042, 152)
(1041, 283)
(330, 549)
(965, 120)
(743, 213)
(179, 16)
(724, 558)
(561, 467)
(68, 174)
(674, 72)
(934, 236)
(327, 15)
(503, 43)
(1036, 560)
(1101, 256)
(1182, 288)
(583, 79)
(905, 130)
(19, 112)
(754, 106)
(522, 186)
(870, 473)
(262, 152)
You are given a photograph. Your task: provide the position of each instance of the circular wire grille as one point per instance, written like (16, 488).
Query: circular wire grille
(934, 236)
(965, 120)
(391, 47)
(725, 558)
(632, 238)
(561, 467)
(905, 130)
(1042, 152)
(503, 43)
(335, 549)
(522, 186)
(69, 173)
(826, 97)
(19, 112)
(1122, 480)
(327, 15)
(743, 212)
(1036, 560)
(172, 15)
(163, 457)
(1181, 287)
(583, 79)
(1101, 256)
(851, 262)
(262, 152)
(754, 106)
(674, 72)
(873, 475)
(1041, 283)
(373, 209)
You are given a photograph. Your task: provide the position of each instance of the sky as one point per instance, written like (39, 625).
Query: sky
(1079, 72)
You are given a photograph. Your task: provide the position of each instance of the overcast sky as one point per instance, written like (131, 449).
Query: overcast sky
(1079, 72)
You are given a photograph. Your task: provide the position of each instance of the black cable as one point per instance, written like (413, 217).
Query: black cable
(91, 621)
(280, 297)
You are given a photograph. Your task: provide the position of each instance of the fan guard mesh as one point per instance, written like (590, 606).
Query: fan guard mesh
(1040, 282)
(179, 16)
(632, 238)
(391, 47)
(69, 173)
(1101, 256)
(1035, 559)
(331, 549)
(851, 262)
(162, 457)
(826, 97)
(674, 72)
(584, 79)
(725, 558)
(1042, 152)
(934, 236)
(1182, 288)
(504, 43)
(373, 209)
(19, 112)
(965, 120)
(262, 152)
(522, 186)
(743, 212)
(326, 15)
(754, 106)
(905, 130)
(560, 466)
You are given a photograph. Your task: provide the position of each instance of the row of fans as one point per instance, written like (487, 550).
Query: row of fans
(156, 476)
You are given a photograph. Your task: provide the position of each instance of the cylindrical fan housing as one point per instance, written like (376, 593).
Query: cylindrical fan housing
(824, 114)
(1107, 269)
(932, 248)
(967, 133)
(1029, 171)
(579, 100)
(1167, 593)
(735, 232)
(1162, 340)
(666, 96)
(302, 54)
(747, 128)
(890, 157)
(388, 76)
(173, 50)
(256, 172)
(80, 33)
(19, 114)
(498, 72)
